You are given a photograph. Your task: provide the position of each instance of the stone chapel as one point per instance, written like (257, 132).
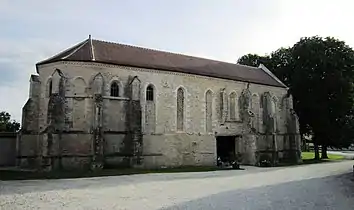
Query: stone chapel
(102, 104)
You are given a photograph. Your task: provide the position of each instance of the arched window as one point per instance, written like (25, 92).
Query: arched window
(149, 93)
(180, 109)
(98, 83)
(256, 110)
(79, 86)
(150, 110)
(114, 89)
(208, 111)
(50, 87)
(233, 106)
(273, 106)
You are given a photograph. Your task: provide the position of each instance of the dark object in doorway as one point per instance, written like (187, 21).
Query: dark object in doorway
(265, 163)
(236, 165)
(228, 164)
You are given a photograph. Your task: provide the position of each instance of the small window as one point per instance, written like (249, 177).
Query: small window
(150, 93)
(115, 89)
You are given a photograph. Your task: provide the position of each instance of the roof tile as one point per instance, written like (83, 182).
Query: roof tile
(126, 55)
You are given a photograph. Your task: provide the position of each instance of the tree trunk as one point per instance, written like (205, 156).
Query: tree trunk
(303, 144)
(317, 152)
(324, 152)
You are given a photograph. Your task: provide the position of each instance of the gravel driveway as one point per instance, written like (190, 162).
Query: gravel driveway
(321, 186)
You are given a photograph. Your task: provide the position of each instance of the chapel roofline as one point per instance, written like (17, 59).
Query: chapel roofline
(92, 50)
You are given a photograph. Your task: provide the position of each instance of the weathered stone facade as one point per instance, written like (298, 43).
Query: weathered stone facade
(155, 118)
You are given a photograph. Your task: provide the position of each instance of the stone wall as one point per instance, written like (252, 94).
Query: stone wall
(7, 149)
(28, 150)
(72, 104)
(179, 150)
(166, 85)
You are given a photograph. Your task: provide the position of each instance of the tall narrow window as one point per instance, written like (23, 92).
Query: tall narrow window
(50, 88)
(150, 110)
(233, 108)
(222, 105)
(180, 109)
(150, 93)
(114, 89)
(273, 107)
(208, 111)
(256, 110)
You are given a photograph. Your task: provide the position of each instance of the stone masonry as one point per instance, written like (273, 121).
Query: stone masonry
(71, 119)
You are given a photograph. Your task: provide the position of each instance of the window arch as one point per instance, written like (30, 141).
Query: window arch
(49, 87)
(97, 84)
(274, 107)
(208, 111)
(150, 93)
(150, 110)
(180, 109)
(114, 89)
(233, 106)
(256, 110)
(79, 86)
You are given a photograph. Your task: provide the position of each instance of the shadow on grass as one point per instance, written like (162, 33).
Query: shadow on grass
(15, 174)
(314, 161)
(8, 174)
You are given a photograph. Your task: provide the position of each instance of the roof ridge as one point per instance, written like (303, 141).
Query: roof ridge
(266, 70)
(92, 49)
(167, 52)
(62, 52)
(75, 50)
(252, 67)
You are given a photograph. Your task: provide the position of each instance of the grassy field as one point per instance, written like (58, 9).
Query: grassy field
(311, 155)
(308, 158)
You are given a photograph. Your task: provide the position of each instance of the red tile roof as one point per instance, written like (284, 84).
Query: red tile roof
(92, 50)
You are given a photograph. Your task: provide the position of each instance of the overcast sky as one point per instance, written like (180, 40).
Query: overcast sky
(32, 30)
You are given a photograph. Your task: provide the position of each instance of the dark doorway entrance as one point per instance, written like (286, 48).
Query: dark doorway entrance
(225, 148)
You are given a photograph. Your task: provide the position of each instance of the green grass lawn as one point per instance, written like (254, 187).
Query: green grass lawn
(311, 155)
(308, 158)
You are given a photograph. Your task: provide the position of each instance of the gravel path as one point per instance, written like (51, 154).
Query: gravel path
(321, 186)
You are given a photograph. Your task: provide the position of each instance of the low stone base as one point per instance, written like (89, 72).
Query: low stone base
(70, 151)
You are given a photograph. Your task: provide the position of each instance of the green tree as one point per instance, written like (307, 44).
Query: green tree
(278, 62)
(320, 74)
(323, 78)
(253, 60)
(6, 124)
